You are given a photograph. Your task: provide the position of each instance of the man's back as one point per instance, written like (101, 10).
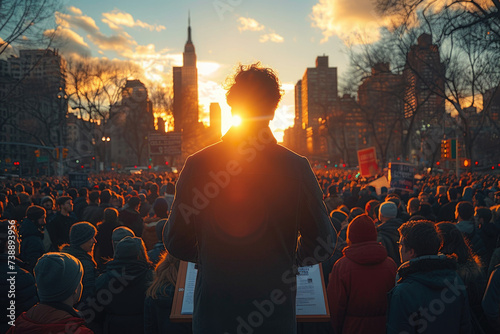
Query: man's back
(429, 297)
(238, 211)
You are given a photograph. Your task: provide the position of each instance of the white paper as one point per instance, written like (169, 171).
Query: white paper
(310, 299)
(188, 300)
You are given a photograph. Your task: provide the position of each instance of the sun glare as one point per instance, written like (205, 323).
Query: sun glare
(236, 120)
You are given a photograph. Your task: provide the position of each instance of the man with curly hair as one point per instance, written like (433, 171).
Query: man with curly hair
(249, 212)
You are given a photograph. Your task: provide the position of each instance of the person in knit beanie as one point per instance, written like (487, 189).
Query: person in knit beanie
(360, 281)
(58, 279)
(81, 245)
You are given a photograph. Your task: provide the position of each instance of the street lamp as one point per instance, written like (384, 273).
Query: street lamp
(61, 128)
(105, 140)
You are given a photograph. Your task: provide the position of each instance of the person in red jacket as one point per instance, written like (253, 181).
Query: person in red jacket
(58, 279)
(360, 280)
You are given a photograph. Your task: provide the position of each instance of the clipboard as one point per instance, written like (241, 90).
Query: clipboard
(180, 289)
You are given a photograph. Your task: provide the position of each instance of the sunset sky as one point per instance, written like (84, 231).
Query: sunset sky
(286, 35)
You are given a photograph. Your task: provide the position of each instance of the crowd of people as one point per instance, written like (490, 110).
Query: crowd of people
(93, 260)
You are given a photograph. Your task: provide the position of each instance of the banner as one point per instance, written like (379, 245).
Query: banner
(367, 160)
(401, 176)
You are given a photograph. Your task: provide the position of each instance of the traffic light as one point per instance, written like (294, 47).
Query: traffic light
(57, 152)
(37, 153)
(446, 149)
(65, 153)
(466, 162)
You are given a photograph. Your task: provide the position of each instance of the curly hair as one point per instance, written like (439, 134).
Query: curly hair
(253, 92)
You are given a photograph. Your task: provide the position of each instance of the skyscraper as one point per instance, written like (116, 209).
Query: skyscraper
(185, 81)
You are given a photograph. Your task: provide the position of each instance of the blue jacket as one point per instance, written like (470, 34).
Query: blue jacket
(248, 212)
(429, 297)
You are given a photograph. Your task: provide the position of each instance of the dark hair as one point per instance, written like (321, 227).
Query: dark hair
(254, 91)
(454, 242)
(356, 211)
(465, 210)
(94, 196)
(105, 196)
(110, 215)
(421, 236)
(452, 193)
(134, 202)
(72, 192)
(83, 192)
(484, 213)
(413, 204)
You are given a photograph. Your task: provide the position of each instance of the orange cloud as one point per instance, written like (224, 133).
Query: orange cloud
(116, 18)
(347, 19)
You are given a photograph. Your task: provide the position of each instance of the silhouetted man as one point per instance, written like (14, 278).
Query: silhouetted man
(248, 212)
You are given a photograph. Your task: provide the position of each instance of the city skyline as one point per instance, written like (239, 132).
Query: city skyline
(287, 36)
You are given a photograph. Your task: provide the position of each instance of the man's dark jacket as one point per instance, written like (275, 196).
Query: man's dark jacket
(247, 211)
(429, 297)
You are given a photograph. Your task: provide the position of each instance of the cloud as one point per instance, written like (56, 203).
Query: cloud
(247, 23)
(347, 19)
(69, 42)
(74, 10)
(271, 37)
(116, 19)
(121, 42)
(250, 24)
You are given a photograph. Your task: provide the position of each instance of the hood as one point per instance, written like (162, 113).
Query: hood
(390, 225)
(44, 319)
(29, 228)
(371, 252)
(135, 268)
(466, 226)
(434, 271)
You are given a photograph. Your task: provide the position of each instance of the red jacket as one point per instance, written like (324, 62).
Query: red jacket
(44, 319)
(358, 287)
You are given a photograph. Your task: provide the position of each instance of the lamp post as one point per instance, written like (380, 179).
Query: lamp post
(61, 133)
(105, 140)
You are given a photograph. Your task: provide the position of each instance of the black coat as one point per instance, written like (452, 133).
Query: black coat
(128, 282)
(156, 310)
(388, 236)
(247, 211)
(89, 269)
(58, 228)
(31, 243)
(79, 207)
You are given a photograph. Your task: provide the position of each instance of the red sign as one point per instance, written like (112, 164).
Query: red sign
(367, 160)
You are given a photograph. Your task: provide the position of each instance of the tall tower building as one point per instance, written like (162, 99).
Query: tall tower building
(185, 80)
(423, 74)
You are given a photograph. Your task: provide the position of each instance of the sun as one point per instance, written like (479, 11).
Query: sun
(236, 120)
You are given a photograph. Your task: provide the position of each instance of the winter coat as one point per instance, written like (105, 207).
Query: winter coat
(128, 280)
(388, 236)
(79, 207)
(429, 297)
(247, 211)
(155, 311)
(447, 212)
(491, 300)
(25, 292)
(333, 202)
(58, 228)
(91, 211)
(89, 269)
(133, 220)
(358, 287)
(32, 247)
(45, 319)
